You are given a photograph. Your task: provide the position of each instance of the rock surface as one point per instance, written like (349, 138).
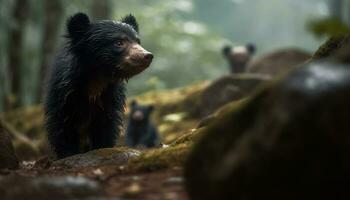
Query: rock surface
(100, 157)
(279, 61)
(8, 158)
(290, 141)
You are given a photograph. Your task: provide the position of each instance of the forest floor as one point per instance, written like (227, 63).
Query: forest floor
(165, 184)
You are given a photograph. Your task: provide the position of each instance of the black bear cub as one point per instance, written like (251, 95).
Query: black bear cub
(85, 99)
(238, 57)
(140, 130)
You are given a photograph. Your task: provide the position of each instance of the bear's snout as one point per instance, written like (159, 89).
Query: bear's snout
(141, 56)
(148, 56)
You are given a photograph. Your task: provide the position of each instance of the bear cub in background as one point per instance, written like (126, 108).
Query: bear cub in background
(238, 57)
(140, 130)
(85, 100)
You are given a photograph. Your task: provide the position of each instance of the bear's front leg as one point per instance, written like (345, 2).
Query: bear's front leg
(64, 143)
(103, 132)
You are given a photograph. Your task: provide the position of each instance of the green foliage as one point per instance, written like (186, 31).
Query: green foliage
(329, 27)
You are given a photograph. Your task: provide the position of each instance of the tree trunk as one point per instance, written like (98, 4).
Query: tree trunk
(53, 12)
(101, 9)
(20, 14)
(347, 14)
(336, 7)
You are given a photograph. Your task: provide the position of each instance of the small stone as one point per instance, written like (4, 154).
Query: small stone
(98, 172)
(173, 181)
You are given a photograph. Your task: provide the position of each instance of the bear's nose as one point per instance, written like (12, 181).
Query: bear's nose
(148, 56)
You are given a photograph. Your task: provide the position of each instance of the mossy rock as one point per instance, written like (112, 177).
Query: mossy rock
(289, 141)
(8, 158)
(27, 150)
(27, 131)
(278, 61)
(227, 89)
(29, 121)
(218, 93)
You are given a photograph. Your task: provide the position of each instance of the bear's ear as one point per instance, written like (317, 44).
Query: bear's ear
(251, 48)
(131, 20)
(133, 103)
(226, 50)
(77, 25)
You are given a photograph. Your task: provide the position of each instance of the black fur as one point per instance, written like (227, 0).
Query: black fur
(251, 48)
(78, 25)
(85, 101)
(141, 131)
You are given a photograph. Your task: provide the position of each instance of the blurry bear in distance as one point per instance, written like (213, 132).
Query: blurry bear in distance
(140, 130)
(238, 56)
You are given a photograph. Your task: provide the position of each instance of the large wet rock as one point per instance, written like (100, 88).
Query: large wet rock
(279, 61)
(290, 141)
(53, 188)
(8, 158)
(108, 156)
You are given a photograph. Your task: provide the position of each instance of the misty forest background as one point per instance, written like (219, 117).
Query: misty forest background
(186, 37)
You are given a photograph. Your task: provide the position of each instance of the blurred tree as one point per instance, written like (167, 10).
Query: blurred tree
(20, 14)
(101, 9)
(53, 13)
(336, 8)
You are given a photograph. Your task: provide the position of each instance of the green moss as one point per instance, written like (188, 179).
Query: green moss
(330, 47)
(187, 138)
(158, 159)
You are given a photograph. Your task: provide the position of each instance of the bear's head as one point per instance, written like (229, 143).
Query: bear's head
(238, 56)
(108, 48)
(140, 114)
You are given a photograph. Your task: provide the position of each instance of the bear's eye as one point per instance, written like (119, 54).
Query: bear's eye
(120, 43)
